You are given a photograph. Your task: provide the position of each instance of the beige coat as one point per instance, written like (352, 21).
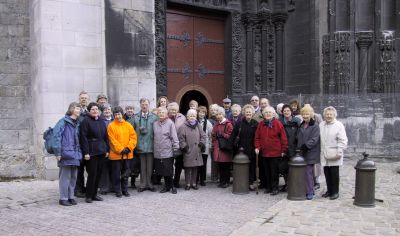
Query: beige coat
(333, 142)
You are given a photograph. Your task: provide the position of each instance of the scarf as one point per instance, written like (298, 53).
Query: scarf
(268, 123)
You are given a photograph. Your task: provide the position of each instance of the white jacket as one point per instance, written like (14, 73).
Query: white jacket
(333, 142)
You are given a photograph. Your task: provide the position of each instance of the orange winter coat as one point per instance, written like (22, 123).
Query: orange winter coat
(121, 135)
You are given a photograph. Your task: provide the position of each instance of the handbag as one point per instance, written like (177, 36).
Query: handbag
(224, 144)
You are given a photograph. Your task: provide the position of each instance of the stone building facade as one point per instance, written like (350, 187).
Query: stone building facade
(332, 52)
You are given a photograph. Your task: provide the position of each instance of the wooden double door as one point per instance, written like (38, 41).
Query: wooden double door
(195, 55)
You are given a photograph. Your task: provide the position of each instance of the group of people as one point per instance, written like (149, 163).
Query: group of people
(114, 145)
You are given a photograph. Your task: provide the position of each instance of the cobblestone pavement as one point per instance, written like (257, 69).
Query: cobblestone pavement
(31, 208)
(324, 217)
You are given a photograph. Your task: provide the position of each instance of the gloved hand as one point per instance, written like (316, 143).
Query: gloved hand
(202, 147)
(125, 151)
(304, 147)
(185, 149)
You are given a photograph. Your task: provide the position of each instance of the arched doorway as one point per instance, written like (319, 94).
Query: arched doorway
(192, 95)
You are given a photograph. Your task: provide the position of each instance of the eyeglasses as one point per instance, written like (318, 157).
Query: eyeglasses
(254, 100)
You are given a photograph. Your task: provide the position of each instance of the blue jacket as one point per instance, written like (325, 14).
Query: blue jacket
(66, 135)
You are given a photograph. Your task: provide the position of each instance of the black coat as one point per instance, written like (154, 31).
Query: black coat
(310, 137)
(93, 136)
(291, 129)
(246, 136)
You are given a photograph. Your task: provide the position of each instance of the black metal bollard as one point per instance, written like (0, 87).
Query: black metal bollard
(297, 178)
(365, 182)
(240, 173)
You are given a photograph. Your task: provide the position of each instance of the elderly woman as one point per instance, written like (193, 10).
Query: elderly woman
(105, 185)
(271, 142)
(95, 148)
(333, 143)
(291, 124)
(214, 165)
(165, 143)
(123, 140)
(68, 153)
(192, 143)
(207, 127)
(222, 130)
(243, 136)
(162, 102)
(308, 141)
(178, 119)
(236, 114)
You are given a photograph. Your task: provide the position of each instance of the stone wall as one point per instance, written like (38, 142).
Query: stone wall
(68, 56)
(16, 152)
(130, 51)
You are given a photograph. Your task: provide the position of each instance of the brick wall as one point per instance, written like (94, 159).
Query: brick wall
(16, 158)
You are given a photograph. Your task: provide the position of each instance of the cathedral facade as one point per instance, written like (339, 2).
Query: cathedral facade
(343, 53)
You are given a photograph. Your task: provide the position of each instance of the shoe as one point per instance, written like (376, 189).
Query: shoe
(325, 195)
(164, 190)
(126, 194)
(151, 189)
(202, 183)
(334, 196)
(173, 191)
(283, 188)
(310, 196)
(133, 185)
(225, 185)
(72, 201)
(220, 185)
(140, 190)
(275, 192)
(119, 194)
(195, 187)
(103, 192)
(97, 198)
(88, 200)
(267, 190)
(187, 187)
(64, 203)
(251, 187)
(317, 186)
(177, 185)
(79, 194)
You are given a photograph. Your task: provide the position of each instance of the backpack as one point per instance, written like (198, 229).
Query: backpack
(49, 141)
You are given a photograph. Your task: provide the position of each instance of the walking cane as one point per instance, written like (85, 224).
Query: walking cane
(257, 174)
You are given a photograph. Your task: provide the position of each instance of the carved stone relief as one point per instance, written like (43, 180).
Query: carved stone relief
(385, 79)
(342, 62)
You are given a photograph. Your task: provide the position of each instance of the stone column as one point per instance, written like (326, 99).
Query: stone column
(364, 40)
(67, 57)
(248, 21)
(279, 20)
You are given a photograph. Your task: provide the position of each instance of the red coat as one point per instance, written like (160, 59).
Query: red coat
(271, 142)
(219, 155)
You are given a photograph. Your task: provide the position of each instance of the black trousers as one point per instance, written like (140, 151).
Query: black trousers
(80, 179)
(224, 172)
(332, 179)
(119, 175)
(168, 182)
(94, 169)
(178, 168)
(271, 171)
(202, 171)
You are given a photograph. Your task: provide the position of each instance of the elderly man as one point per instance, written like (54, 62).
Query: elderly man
(129, 112)
(227, 103)
(143, 123)
(101, 100)
(80, 180)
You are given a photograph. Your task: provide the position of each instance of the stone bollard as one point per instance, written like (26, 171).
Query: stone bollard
(297, 178)
(365, 182)
(241, 173)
